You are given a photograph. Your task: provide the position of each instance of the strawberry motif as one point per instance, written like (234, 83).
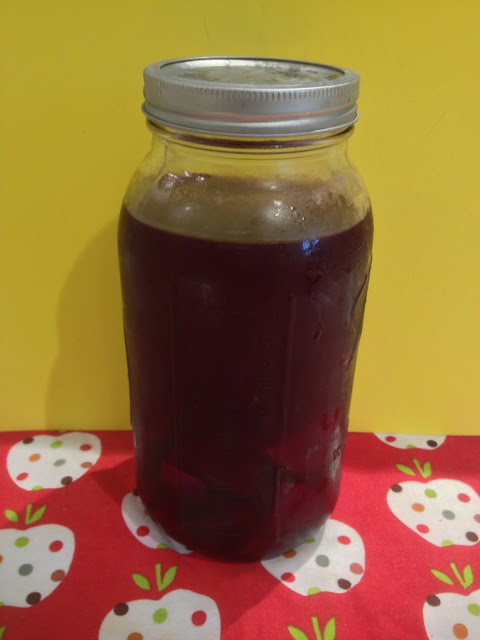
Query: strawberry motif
(33, 561)
(443, 511)
(411, 441)
(452, 616)
(143, 528)
(51, 462)
(333, 561)
(179, 615)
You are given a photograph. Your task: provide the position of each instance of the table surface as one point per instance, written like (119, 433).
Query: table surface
(81, 559)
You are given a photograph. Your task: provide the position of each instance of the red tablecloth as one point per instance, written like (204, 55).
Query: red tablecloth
(81, 560)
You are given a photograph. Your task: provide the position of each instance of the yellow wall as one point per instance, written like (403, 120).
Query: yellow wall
(71, 134)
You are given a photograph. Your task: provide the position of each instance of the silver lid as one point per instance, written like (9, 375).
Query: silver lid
(235, 96)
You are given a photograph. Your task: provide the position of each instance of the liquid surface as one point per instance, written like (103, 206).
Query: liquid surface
(241, 358)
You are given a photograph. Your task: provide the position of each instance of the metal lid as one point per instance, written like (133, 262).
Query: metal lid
(235, 96)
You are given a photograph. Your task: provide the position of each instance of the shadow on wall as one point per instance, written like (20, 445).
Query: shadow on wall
(88, 386)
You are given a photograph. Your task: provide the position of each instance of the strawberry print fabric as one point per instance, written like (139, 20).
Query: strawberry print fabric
(80, 558)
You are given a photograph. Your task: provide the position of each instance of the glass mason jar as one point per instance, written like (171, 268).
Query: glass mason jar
(245, 248)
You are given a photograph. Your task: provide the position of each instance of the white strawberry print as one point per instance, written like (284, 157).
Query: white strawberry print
(452, 616)
(334, 562)
(411, 441)
(328, 632)
(141, 525)
(444, 512)
(51, 462)
(33, 561)
(179, 615)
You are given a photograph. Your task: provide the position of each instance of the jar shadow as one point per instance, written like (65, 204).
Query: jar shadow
(88, 386)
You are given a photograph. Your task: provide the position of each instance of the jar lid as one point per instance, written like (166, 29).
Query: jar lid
(236, 96)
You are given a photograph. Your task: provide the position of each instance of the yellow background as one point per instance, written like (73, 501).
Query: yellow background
(71, 134)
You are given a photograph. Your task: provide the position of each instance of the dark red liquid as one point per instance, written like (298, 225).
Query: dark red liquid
(241, 361)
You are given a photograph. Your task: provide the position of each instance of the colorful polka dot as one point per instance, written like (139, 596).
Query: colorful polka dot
(433, 601)
(33, 598)
(390, 439)
(55, 546)
(288, 577)
(27, 440)
(143, 531)
(160, 616)
(471, 536)
(447, 543)
(25, 569)
(313, 591)
(34, 457)
(58, 575)
(322, 561)
(344, 584)
(135, 636)
(85, 447)
(344, 540)
(474, 609)
(60, 462)
(199, 618)
(37, 487)
(86, 465)
(22, 541)
(430, 493)
(162, 545)
(448, 515)
(396, 488)
(460, 631)
(432, 443)
(310, 540)
(290, 554)
(22, 476)
(410, 446)
(463, 497)
(120, 609)
(416, 506)
(66, 480)
(422, 528)
(356, 568)
(476, 517)
(56, 444)
(1, 559)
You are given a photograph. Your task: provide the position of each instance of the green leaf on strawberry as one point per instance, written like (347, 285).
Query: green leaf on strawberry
(329, 631)
(404, 469)
(465, 579)
(168, 578)
(11, 515)
(29, 518)
(442, 576)
(162, 583)
(141, 581)
(468, 576)
(425, 471)
(316, 629)
(297, 634)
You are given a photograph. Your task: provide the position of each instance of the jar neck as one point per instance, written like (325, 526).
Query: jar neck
(191, 152)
